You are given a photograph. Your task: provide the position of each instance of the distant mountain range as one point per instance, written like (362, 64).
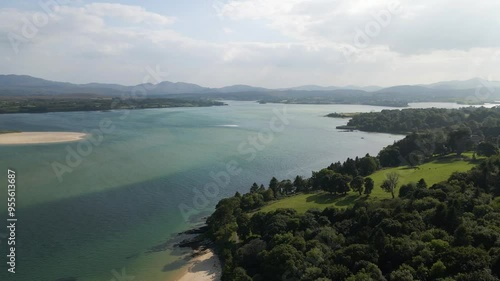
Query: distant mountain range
(461, 85)
(28, 85)
(331, 88)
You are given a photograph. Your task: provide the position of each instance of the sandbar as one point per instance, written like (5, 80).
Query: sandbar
(40, 137)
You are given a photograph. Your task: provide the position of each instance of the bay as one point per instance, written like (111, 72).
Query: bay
(140, 184)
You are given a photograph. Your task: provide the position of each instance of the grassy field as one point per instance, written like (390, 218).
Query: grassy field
(433, 172)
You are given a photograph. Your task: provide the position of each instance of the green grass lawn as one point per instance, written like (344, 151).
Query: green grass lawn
(433, 172)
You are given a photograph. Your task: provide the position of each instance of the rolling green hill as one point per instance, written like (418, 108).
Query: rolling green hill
(433, 172)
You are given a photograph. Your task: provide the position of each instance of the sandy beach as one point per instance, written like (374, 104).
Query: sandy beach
(205, 267)
(40, 137)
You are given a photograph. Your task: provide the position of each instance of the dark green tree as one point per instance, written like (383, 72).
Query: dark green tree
(462, 236)
(300, 184)
(369, 185)
(273, 184)
(407, 189)
(254, 188)
(438, 270)
(422, 184)
(357, 184)
(402, 274)
(349, 168)
(323, 180)
(341, 183)
(486, 149)
(459, 140)
(268, 195)
(367, 165)
(287, 186)
(282, 260)
(244, 229)
(465, 259)
(239, 274)
(390, 157)
(480, 275)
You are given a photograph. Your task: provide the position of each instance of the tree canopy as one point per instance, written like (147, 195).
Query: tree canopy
(449, 231)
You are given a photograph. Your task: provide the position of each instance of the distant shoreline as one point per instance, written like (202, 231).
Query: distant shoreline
(13, 138)
(13, 105)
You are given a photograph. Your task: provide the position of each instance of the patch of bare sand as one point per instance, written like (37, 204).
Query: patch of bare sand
(205, 267)
(40, 137)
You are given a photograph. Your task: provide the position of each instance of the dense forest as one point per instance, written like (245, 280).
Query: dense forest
(433, 131)
(448, 231)
(414, 120)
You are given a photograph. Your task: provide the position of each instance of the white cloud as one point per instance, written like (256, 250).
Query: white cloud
(106, 42)
(133, 14)
(420, 26)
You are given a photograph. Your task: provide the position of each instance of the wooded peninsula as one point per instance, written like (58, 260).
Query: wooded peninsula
(425, 208)
(67, 103)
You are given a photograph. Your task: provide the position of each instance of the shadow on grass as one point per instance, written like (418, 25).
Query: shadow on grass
(454, 158)
(447, 160)
(409, 168)
(336, 199)
(477, 160)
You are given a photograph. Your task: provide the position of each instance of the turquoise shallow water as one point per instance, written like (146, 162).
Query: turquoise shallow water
(124, 197)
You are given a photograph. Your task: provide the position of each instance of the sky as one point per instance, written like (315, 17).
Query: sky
(267, 43)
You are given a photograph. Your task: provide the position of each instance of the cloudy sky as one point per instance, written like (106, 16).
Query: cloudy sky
(270, 43)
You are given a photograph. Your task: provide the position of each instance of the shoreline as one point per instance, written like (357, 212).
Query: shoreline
(204, 266)
(15, 138)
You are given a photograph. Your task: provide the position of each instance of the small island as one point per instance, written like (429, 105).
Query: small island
(342, 115)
